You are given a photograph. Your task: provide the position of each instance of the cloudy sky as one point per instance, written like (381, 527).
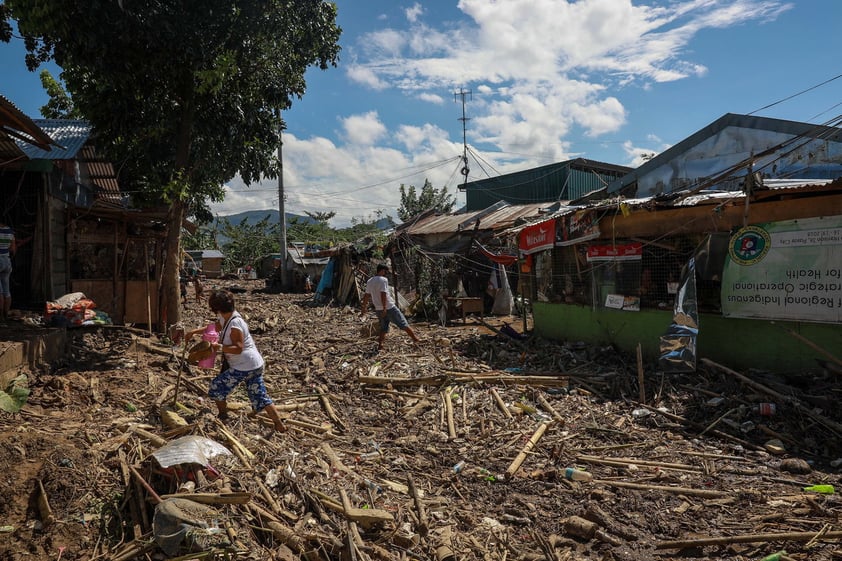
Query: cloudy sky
(543, 81)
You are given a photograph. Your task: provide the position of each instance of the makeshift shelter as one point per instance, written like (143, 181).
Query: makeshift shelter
(209, 261)
(74, 231)
(441, 259)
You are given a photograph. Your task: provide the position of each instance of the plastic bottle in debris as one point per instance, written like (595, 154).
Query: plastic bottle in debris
(574, 474)
(372, 486)
(369, 456)
(459, 466)
(765, 409)
(211, 336)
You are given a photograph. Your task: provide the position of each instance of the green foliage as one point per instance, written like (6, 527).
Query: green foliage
(321, 217)
(247, 243)
(183, 95)
(60, 105)
(430, 198)
(170, 86)
(13, 397)
(203, 238)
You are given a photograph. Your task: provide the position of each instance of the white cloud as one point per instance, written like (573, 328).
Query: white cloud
(540, 71)
(363, 130)
(431, 97)
(639, 156)
(414, 12)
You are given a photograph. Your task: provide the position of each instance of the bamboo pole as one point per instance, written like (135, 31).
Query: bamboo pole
(707, 493)
(542, 428)
(448, 411)
(423, 525)
(542, 401)
(640, 382)
(830, 424)
(502, 406)
(325, 401)
(815, 347)
(747, 538)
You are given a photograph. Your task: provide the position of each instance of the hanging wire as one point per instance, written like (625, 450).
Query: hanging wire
(811, 88)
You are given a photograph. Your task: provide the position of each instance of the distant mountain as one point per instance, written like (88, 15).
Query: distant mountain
(255, 216)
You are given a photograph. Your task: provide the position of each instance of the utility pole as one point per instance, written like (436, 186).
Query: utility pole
(281, 209)
(465, 169)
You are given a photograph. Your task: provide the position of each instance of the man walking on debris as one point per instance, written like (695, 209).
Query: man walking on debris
(377, 292)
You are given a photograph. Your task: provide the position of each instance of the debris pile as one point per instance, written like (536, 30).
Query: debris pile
(474, 445)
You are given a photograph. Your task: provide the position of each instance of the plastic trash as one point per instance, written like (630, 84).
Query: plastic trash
(577, 475)
(823, 489)
(766, 409)
(211, 336)
(189, 449)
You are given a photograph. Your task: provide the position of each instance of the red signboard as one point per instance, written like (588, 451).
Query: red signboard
(537, 237)
(615, 252)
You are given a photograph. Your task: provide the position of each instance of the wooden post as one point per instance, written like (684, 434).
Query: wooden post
(640, 382)
(148, 295)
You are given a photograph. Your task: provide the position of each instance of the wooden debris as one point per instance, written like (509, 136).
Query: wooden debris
(510, 471)
(44, 509)
(230, 498)
(500, 404)
(747, 538)
(283, 492)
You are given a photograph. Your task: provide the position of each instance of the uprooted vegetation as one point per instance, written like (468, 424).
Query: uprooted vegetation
(457, 449)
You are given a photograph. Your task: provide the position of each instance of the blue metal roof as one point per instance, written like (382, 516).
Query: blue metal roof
(69, 136)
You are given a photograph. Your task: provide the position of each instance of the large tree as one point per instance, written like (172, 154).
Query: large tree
(186, 93)
(413, 203)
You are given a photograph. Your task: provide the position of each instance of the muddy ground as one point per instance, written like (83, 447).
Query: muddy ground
(456, 449)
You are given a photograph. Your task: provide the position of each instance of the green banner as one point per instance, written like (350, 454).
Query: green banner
(788, 270)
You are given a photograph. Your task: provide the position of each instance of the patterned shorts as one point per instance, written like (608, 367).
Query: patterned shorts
(225, 382)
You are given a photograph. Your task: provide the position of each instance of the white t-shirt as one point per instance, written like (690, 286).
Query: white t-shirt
(250, 358)
(375, 286)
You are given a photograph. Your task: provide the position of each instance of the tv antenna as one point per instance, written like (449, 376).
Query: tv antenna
(462, 93)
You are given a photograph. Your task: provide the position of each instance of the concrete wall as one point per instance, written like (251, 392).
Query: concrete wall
(27, 347)
(736, 343)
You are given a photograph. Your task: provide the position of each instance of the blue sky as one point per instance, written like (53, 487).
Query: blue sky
(550, 80)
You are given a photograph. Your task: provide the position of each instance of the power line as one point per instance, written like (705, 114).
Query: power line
(796, 94)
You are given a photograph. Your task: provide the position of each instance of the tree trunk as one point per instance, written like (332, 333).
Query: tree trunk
(169, 297)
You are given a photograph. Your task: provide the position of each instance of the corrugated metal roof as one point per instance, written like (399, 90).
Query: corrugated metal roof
(562, 180)
(497, 220)
(730, 140)
(70, 135)
(205, 254)
(15, 123)
(101, 173)
(774, 187)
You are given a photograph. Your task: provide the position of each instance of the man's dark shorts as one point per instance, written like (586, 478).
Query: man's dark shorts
(393, 315)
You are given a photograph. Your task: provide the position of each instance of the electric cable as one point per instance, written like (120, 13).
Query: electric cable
(829, 80)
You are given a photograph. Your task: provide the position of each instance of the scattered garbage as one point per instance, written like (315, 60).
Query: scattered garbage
(823, 489)
(189, 449)
(180, 520)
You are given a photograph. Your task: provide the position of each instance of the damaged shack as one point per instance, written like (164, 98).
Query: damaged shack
(74, 231)
(715, 234)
